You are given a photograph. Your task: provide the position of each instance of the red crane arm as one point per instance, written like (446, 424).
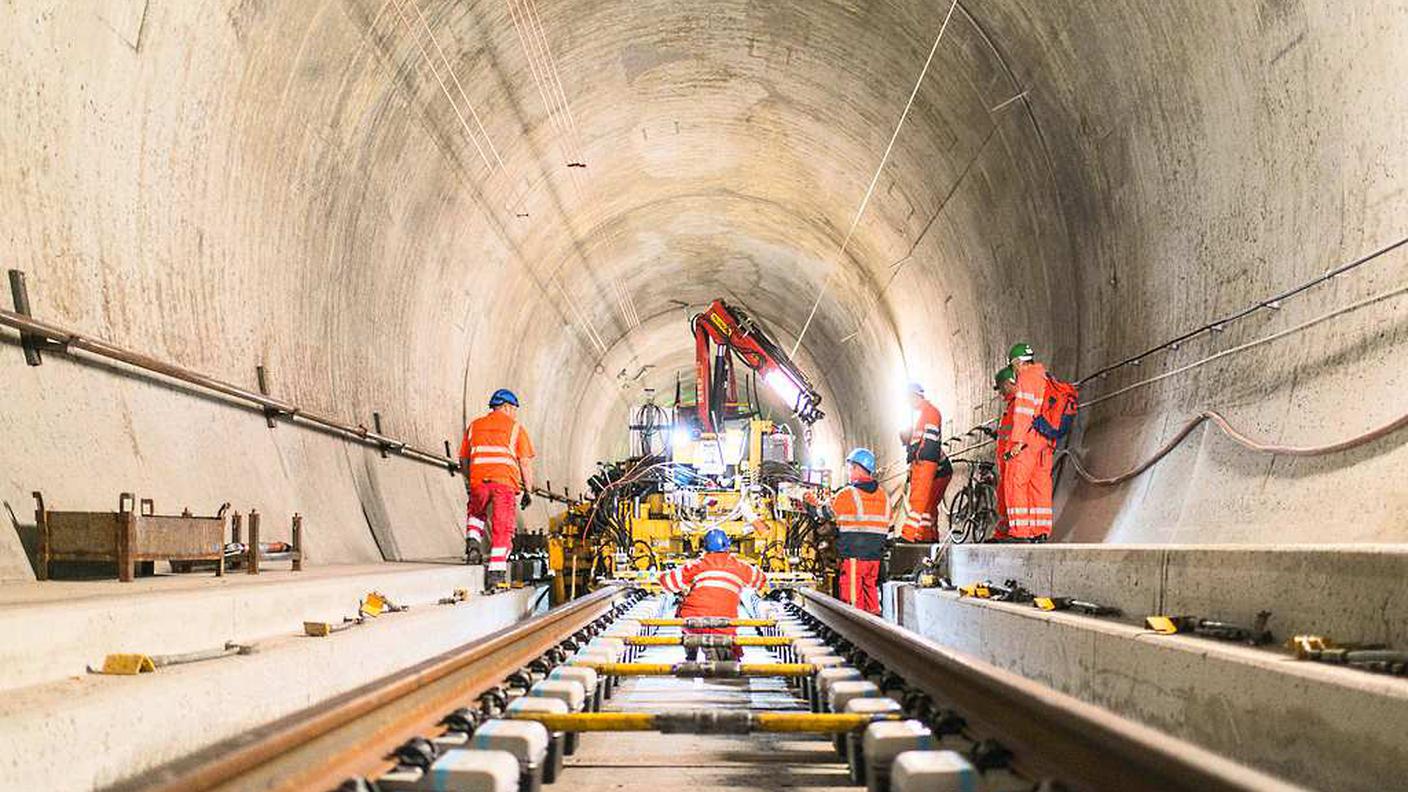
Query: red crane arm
(736, 333)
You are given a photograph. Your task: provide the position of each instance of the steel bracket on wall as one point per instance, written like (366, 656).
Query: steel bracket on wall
(31, 343)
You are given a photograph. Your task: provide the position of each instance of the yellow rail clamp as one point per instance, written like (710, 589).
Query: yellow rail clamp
(1044, 603)
(376, 604)
(977, 590)
(1163, 625)
(708, 621)
(705, 640)
(705, 721)
(128, 664)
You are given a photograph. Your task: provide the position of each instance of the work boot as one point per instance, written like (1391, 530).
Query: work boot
(495, 581)
(473, 556)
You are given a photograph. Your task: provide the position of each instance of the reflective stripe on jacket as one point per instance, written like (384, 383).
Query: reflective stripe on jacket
(926, 436)
(862, 520)
(1004, 426)
(712, 584)
(494, 445)
(1031, 390)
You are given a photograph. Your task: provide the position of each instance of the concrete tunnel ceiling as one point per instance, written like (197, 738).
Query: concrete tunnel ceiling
(377, 200)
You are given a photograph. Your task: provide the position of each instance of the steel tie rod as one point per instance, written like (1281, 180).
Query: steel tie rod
(707, 670)
(705, 721)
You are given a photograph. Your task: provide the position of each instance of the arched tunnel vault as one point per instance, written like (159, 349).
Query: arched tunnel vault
(373, 198)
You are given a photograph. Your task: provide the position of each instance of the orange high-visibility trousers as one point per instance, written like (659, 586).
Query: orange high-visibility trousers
(1001, 531)
(926, 492)
(1026, 486)
(860, 584)
(494, 506)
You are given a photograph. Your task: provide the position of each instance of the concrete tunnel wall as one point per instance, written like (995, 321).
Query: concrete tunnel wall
(307, 186)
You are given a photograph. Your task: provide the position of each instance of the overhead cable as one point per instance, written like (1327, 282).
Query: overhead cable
(870, 190)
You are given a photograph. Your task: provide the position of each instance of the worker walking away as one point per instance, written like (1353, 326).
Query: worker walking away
(861, 511)
(1005, 383)
(1027, 481)
(496, 457)
(929, 470)
(712, 585)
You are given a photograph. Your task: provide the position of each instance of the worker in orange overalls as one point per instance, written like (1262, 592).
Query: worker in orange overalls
(861, 511)
(929, 470)
(1026, 481)
(1005, 383)
(712, 585)
(496, 458)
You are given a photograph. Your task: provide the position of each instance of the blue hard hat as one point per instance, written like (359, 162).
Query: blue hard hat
(502, 396)
(916, 389)
(863, 457)
(715, 541)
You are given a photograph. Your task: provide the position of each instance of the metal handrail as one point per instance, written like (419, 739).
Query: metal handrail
(70, 339)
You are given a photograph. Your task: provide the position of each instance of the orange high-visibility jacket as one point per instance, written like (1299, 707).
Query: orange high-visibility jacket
(926, 436)
(1031, 390)
(494, 445)
(862, 520)
(713, 582)
(1004, 426)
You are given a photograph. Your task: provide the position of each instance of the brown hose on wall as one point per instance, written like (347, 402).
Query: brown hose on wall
(1241, 438)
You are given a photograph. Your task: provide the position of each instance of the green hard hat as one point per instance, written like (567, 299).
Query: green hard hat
(1004, 374)
(1021, 351)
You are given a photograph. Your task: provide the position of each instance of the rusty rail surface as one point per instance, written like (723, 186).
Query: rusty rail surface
(270, 406)
(1051, 734)
(351, 734)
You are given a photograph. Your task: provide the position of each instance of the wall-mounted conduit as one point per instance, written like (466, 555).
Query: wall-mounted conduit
(69, 340)
(1271, 303)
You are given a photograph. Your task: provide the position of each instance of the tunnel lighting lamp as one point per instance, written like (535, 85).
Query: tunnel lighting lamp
(783, 386)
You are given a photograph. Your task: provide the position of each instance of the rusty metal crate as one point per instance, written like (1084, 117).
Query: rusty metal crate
(127, 537)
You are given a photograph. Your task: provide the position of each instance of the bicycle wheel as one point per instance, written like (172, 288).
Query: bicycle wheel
(984, 518)
(958, 516)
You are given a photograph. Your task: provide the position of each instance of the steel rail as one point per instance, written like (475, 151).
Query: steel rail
(69, 339)
(1051, 734)
(351, 734)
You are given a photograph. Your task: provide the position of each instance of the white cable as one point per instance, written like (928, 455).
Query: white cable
(430, 65)
(1243, 347)
(556, 74)
(458, 87)
(825, 284)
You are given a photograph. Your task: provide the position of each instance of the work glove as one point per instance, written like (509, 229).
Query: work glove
(910, 454)
(525, 501)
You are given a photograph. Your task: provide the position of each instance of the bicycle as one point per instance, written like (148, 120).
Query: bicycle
(972, 515)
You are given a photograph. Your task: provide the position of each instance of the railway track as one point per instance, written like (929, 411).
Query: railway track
(803, 658)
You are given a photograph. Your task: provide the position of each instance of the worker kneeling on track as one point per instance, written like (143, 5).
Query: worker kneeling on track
(861, 511)
(712, 585)
(496, 458)
(929, 470)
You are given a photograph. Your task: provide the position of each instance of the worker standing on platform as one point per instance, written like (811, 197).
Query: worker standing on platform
(712, 585)
(1026, 480)
(1005, 383)
(929, 470)
(496, 457)
(862, 514)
